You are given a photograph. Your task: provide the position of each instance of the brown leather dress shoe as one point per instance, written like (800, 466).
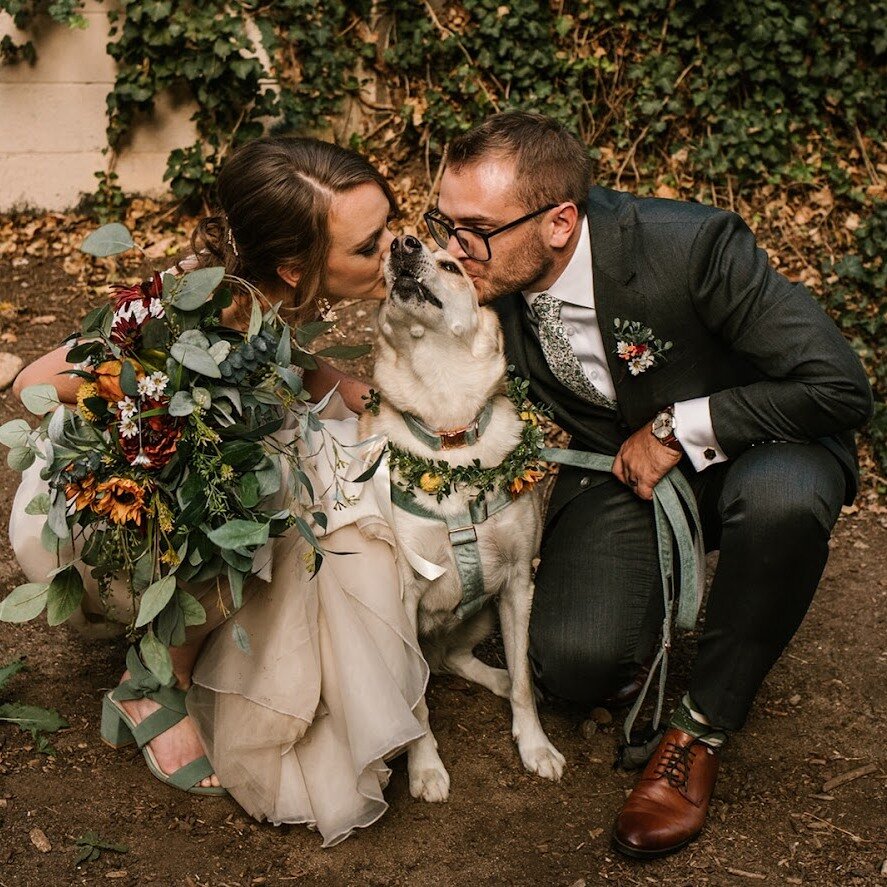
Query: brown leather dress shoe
(667, 808)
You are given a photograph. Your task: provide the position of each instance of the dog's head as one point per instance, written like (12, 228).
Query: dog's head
(429, 294)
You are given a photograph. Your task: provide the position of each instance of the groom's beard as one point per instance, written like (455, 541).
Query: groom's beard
(512, 273)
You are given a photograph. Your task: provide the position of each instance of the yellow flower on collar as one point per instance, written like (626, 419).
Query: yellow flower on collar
(430, 482)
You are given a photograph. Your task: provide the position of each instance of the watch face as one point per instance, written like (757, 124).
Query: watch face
(663, 425)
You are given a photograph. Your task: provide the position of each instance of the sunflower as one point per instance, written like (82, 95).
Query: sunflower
(527, 480)
(122, 499)
(82, 491)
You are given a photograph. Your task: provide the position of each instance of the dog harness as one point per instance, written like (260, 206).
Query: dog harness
(677, 525)
(462, 526)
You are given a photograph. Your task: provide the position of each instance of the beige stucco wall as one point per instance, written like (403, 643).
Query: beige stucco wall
(52, 120)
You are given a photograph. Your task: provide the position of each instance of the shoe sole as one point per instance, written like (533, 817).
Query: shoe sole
(637, 853)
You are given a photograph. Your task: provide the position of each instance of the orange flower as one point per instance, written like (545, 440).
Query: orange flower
(107, 380)
(527, 480)
(122, 499)
(83, 492)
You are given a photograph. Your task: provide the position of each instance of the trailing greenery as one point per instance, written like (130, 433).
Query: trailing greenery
(24, 12)
(737, 94)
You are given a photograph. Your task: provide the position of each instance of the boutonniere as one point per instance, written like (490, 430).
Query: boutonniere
(638, 347)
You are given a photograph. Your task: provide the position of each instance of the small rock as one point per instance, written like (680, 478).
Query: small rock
(578, 883)
(601, 716)
(884, 869)
(794, 700)
(588, 729)
(9, 338)
(10, 366)
(39, 840)
(44, 319)
(117, 873)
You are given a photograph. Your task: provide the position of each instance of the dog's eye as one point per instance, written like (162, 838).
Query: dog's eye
(451, 267)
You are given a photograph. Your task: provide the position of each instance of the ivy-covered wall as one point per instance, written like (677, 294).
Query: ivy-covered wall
(738, 99)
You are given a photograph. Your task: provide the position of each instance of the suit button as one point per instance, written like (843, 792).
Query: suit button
(584, 482)
(709, 453)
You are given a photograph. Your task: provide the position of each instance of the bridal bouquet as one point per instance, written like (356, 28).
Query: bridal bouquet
(169, 472)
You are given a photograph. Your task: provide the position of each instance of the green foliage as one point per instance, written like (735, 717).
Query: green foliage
(30, 718)
(92, 846)
(856, 300)
(23, 13)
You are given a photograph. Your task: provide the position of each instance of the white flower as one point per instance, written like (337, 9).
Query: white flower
(640, 363)
(155, 308)
(141, 459)
(128, 428)
(623, 349)
(127, 408)
(153, 385)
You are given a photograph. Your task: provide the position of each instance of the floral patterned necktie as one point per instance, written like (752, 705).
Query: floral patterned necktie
(559, 354)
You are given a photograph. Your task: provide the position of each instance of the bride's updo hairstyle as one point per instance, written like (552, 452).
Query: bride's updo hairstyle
(274, 194)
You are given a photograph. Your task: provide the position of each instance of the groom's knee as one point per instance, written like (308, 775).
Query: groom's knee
(579, 669)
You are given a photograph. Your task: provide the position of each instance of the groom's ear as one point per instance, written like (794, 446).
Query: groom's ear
(564, 219)
(290, 276)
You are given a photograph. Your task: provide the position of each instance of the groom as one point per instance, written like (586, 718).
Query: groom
(658, 333)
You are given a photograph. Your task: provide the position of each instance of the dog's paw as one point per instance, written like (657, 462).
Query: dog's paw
(431, 784)
(545, 761)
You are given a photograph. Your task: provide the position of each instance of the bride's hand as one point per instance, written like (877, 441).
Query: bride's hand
(642, 462)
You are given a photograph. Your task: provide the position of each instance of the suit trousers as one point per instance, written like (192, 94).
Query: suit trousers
(597, 610)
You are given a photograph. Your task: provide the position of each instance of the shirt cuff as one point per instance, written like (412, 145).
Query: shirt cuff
(693, 429)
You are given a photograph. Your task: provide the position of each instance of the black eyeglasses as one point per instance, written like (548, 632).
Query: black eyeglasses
(475, 244)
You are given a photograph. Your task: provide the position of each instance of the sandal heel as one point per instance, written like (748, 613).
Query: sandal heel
(114, 731)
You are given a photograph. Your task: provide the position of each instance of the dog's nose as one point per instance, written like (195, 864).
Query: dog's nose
(406, 245)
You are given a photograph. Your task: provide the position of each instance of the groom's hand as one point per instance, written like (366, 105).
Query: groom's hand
(642, 461)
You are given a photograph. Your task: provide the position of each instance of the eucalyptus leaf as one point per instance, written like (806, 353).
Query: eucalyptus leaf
(231, 394)
(24, 603)
(20, 458)
(196, 359)
(241, 638)
(310, 331)
(255, 319)
(38, 505)
(49, 540)
(220, 350)
(64, 595)
(96, 320)
(109, 240)
(156, 657)
(191, 607)
(306, 532)
(56, 428)
(284, 348)
(237, 533)
(40, 399)
(128, 383)
(235, 586)
(15, 433)
(181, 404)
(56, 517)
(154, 598)
(201, 396)
(290, 378)
(196, 287)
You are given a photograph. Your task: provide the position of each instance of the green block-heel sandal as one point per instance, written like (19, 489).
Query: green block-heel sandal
(119, 730)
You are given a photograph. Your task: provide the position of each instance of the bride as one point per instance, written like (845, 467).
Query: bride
(298, 728)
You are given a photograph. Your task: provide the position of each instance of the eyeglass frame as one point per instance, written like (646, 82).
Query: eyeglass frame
(483, 235)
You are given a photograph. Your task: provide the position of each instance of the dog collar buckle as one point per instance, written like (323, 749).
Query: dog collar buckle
(451, 440)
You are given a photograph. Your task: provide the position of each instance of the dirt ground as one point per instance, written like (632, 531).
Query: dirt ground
(822, 713)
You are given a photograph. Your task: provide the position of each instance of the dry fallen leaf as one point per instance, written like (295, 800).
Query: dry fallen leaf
(44, 319)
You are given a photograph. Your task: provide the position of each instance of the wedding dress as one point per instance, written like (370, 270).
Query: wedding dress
(303, 693)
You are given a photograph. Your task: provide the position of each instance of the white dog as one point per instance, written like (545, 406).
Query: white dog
(440, 370)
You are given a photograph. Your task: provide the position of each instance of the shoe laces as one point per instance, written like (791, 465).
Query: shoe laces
(674, 764)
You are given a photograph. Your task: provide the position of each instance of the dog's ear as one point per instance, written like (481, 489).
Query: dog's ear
(488, 339)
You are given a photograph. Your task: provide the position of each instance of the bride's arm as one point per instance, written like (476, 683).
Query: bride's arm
(320, 381)
(46, 369)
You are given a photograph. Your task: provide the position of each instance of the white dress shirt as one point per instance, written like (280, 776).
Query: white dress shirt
(575, 289)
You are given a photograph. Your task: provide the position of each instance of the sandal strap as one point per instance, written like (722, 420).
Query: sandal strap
(143, 684)
(188, 776)
(156, 723)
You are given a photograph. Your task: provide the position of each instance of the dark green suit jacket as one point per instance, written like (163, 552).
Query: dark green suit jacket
(774, 364)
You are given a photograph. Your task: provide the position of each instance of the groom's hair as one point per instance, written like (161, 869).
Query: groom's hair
(551, 164)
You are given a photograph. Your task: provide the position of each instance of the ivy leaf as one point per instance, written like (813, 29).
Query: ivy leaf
(154, 598)
(196, 287)
(239, 534)
(109, 240)
(40, 399)
(24, 603)
(63, 595)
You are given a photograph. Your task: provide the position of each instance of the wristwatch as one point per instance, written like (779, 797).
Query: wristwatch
(663, 429)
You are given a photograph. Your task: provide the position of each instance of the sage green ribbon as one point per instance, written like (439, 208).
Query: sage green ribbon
(677, 525)
(463, 538)
(435, 440)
